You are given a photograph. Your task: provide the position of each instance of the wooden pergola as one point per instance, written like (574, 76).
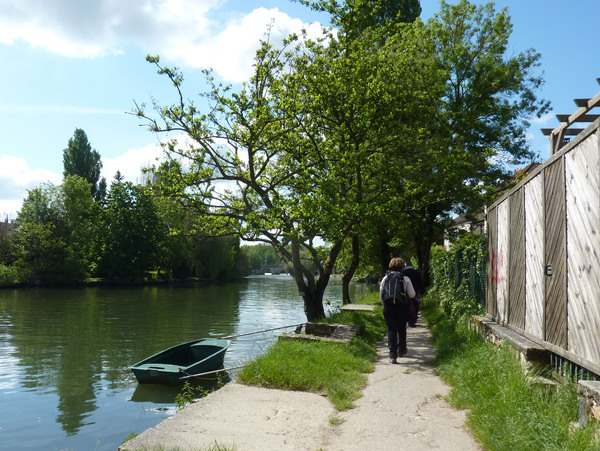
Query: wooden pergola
(562, 134)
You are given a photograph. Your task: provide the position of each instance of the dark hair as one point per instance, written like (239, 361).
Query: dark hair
(396, 264)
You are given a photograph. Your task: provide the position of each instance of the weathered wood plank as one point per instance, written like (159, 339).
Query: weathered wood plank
(502, 262)
(583, 118)
(516, 260)
(566, 131)
(492, 262)
(534, 237)
(555, 254)
(582, 169)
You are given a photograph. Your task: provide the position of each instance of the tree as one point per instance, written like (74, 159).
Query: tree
(298, 148)
(368, 25)
(80, 215)
(132, 231)
(80, 159)
(54, 231)
(488, 95)
(260, 255)
(257, 204)
(353, 17)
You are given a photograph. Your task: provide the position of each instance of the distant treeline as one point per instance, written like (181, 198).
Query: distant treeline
(62, 236)
(66, 234)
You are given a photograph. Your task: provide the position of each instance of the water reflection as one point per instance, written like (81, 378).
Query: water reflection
(64, 354)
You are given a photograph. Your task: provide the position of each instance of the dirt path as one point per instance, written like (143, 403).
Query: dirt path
(402, 407)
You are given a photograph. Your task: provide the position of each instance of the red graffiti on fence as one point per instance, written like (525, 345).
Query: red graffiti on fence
(496, 262)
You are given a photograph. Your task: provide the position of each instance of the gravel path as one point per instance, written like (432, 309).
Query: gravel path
(402, 407)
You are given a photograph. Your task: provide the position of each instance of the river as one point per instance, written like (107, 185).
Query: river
(65, 354)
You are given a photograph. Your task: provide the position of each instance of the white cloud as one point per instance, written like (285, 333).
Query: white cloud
(238, 43)
(16, 177)
(181, 31)
(95, 28)
(543, 120)
(130, 164)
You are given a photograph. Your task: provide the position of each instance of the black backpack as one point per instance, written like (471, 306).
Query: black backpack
(394, 292)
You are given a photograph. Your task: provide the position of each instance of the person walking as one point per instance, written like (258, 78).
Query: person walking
(419, 285)
(395, 291)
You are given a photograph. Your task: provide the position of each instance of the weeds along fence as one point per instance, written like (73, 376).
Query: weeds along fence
(459, 276)
(544, 253)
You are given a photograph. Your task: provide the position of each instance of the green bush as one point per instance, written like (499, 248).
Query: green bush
(9, 275)
(459, 276)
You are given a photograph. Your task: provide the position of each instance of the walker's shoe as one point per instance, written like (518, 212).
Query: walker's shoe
(393, 361)
(402, 353)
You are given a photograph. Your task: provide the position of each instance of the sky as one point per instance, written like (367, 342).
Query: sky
(70, 64)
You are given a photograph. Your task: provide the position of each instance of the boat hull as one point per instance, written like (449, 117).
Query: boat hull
(169, 366)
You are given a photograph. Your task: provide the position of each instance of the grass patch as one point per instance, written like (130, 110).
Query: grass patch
(335, 369)
(372, 326)
(320, 367)
(507, 412)
(336, 421)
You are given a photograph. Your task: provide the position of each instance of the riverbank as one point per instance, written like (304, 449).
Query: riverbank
(402, 407)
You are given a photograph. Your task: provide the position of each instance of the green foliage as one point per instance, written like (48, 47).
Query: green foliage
(129, 437)
(260, 255)
(53, 232)
(385, 121)
(9, 275)
(189, 393)
(459, 276)
(214, 258)
(506, 410)
(79, 159)
(132, 231)
(357, 16)
(333, 368)
(7, 250)
(372, 327)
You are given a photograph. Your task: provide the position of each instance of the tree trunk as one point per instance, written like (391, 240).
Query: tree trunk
(351, 270)
(313, 305)
(423, 243)
(310, 290)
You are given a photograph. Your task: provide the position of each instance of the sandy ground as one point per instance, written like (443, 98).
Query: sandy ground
(402, 407)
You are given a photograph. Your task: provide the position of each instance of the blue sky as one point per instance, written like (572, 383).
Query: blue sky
(70, 64)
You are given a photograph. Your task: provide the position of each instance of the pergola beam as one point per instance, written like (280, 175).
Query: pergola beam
(567, 131)
(584, 118)
(557, 135)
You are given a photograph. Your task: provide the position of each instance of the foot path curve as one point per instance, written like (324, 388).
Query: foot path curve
(402, 407)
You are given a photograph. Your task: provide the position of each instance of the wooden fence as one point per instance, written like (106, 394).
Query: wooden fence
(543, 269)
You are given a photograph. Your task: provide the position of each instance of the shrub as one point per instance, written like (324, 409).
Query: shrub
(459, 276)
(9, 275)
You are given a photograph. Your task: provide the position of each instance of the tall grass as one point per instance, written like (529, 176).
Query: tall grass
(335, 369)
(507, 410)
(321, 367)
